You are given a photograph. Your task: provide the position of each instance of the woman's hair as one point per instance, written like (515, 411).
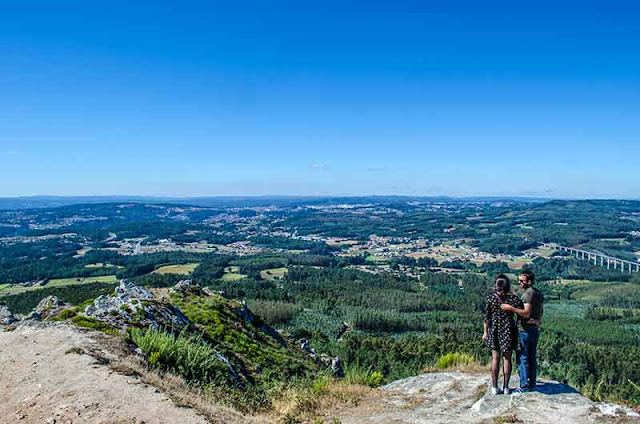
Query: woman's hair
(503, 284)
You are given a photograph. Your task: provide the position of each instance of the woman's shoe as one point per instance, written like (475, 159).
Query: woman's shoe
(506, 390)
(496, 391)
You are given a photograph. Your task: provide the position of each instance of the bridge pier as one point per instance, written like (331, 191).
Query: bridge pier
(625, 266)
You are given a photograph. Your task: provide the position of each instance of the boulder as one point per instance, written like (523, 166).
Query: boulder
(49, 306)
(336, 367)
(187, 287)
(6, 316)
(134, 305)
(245, 313)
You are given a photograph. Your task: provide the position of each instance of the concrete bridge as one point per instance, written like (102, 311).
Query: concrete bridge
(597, 258)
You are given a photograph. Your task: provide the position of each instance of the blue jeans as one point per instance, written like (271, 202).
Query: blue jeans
(528, 369)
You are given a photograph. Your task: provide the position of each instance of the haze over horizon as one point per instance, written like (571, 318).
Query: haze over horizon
(282, 98)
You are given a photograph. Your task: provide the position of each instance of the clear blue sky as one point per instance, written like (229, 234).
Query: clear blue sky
(243, 98)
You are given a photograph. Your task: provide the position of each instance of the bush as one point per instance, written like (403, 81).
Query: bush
(65, 314)
(363, 376)
(452, 360)
(375, 379)
(89, 322)
(183, 355)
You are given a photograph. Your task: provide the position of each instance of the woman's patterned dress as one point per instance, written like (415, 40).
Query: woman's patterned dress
(503, 331)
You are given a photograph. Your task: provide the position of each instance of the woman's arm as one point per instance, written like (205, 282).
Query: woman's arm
(486, 331)
(524, 313)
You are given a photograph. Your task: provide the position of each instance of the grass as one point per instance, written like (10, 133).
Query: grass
(94, 324)
(594, 291)
(273, 274)
(376, 259)
(507, 418)
(304, 401)
(59, 282)
(363, 376)
(184, 394)
(232, 276)
(455, 360)
(181, 269)
(186, 356)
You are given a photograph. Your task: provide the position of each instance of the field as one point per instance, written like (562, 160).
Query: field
(83, 251)
(181, 269)
(232, 276)
(6, 289)
(590, 291)
(273, 274)
(376, 259)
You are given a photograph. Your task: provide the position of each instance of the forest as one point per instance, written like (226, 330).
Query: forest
(397, 317)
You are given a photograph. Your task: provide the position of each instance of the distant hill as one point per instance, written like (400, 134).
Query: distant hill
(29, 202)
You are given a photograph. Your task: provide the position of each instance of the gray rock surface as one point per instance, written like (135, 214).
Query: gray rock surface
(465, 398)
(132, 304)
(6, 316)
(187, 287)
(49, 306)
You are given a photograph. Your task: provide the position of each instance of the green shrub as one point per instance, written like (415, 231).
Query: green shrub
(363, 376)
(65, 314)
(455, 359)
(375, 379)
(181, 354)
(89, 322)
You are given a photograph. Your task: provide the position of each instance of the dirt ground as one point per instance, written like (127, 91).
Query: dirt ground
(45, 378)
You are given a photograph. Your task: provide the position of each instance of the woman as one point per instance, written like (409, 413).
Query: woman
(501, 332)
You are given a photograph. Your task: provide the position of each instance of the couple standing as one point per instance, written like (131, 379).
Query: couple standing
(503, 335)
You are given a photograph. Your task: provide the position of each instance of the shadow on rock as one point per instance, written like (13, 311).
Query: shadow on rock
(554, 389)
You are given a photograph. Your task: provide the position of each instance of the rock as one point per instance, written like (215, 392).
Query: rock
(127, 290)
(304, 344)
(336, 367)
(245, 313)
(49, 306)
(134, 305)
(187, 287)
(6, 316)
(465, 398)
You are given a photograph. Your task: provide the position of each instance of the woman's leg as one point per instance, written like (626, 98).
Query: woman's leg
(495, 367)
(506, 370)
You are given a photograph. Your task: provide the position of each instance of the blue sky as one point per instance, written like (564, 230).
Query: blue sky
(250, 98)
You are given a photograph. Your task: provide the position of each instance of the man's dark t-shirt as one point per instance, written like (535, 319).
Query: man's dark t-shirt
(535, 298)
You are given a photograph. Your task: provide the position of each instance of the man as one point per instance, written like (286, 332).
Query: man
(531, 316)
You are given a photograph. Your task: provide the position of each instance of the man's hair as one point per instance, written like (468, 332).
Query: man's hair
(529, 274)
(503, 284)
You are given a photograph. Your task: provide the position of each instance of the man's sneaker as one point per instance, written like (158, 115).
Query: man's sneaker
(496, 391)
(519, 390)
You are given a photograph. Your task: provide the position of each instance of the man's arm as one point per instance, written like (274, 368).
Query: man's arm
(524, 313)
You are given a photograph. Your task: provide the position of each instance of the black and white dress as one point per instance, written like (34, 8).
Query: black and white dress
(503, 331)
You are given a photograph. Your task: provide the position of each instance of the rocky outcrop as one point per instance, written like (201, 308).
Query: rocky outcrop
(48, 307)
(245, 313)
(135, 305)
(465, 398)
(6, 316)
(187, 287)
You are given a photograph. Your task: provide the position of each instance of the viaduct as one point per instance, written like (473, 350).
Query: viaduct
(597, 258)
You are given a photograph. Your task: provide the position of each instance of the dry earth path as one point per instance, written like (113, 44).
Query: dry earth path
(42, 380)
